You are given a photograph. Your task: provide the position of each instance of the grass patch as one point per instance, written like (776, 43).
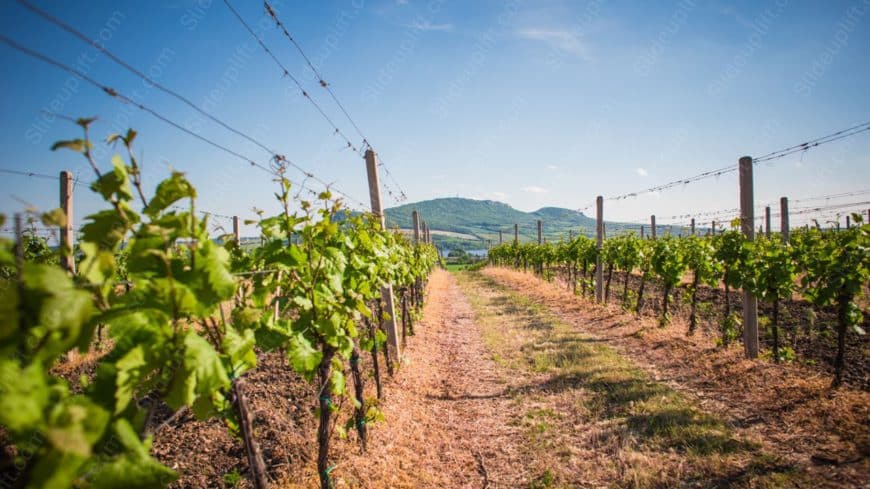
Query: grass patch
(543, 481)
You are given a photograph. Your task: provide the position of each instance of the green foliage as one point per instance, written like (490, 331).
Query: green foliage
(669, 265)
(833, 268)
(769, 269)
(700, 257)
(35, 249)
(170, 343)
(731, 253)
(668, 262)
(837, 265)
(233, 478)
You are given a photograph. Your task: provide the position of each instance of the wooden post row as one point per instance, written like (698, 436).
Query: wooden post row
(378, 210)
(652, 223)
(767, 221)
(747, 221)
(599, 231)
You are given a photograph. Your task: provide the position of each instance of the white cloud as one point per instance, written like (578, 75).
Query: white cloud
(499, 195)
(552, 167)
(428, 26)
(642, 172)
(534, 189)
(563, 40)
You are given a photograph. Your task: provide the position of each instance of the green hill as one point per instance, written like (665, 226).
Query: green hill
(481, 220)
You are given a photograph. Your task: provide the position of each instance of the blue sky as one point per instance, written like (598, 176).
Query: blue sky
(533, 103)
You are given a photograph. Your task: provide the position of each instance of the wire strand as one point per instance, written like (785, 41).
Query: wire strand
(124, 99)
(843, 133)
(274, 154)
(836, 136)
(287, 74)
(328, 87)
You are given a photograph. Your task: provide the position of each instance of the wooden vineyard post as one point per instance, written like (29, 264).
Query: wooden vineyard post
(415, 219)
(693, 226)
(783, 218)
(19, 246)
(237, 233)
(540, 231)
(641, 231)
(386, 291)
(652, 224)
(713, 228)
(767, 221)
(599, 231)
(67, 261)
(747, 220)
(516, 233)
(66, 231)
(848, 221)
(500, 237)
(246, 423)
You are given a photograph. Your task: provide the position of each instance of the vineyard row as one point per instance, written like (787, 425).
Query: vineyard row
(185, 319)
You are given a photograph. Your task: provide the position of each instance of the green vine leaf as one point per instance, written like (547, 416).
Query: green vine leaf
(168, 192)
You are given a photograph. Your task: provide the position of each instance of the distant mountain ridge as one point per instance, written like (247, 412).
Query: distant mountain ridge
(481, 220)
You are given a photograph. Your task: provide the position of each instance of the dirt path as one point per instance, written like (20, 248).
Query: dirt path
(447, 418)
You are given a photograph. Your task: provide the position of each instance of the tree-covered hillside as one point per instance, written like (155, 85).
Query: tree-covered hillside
(481, 220)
